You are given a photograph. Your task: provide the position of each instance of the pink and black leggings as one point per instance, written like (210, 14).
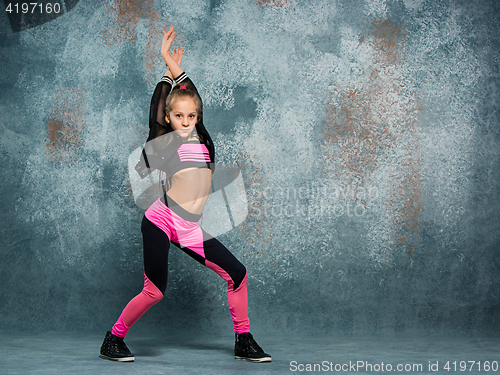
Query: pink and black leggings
(163, 224)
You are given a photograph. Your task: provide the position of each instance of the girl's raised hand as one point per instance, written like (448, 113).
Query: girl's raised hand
(172, 60)
(168, 37)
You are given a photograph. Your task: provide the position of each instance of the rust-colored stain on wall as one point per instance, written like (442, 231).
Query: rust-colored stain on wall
(374, 129)
(125, 16)
(65, 124)
(275, 3)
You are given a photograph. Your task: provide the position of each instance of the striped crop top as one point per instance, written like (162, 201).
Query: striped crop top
(175, 156)
(189, 154)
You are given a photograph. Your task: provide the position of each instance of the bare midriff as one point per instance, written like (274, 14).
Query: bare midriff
(190, 188)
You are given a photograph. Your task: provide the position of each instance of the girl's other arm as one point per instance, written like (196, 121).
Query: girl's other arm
(177, 56)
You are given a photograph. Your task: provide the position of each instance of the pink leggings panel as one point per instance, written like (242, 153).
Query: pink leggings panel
(149, 296)
(185, 233)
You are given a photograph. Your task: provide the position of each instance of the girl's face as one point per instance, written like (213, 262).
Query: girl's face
(183, 116)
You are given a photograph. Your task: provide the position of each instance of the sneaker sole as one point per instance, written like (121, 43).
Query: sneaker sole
(123, 359)
(256, 360)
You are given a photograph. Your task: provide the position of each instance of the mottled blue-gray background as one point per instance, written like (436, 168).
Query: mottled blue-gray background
(367, 133)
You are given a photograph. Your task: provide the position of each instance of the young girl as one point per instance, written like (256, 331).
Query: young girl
(179, 145)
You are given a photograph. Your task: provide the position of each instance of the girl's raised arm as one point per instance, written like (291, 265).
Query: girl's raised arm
(173, 60)
(157, 112)
(173, 65)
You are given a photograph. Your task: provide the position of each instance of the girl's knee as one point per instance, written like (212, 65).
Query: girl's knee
(153, 293)
(240, 276)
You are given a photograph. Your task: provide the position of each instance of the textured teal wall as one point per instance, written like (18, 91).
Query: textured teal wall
(367, 133)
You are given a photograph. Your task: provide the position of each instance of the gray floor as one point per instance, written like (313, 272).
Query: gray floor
(70, 353)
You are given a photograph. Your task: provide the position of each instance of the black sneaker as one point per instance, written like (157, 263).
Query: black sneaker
(114, 349)
(245, 348)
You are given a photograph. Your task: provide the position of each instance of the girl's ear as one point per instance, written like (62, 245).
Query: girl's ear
(167, 119)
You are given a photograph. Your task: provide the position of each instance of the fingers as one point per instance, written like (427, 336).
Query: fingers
(176, 53)
(168, 36)
(169, 32)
